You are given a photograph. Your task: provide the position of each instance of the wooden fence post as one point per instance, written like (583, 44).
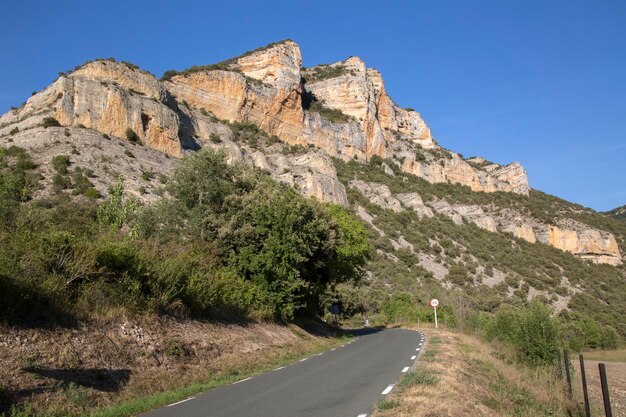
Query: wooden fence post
(584, 379)
(605, 391)
(567, 373)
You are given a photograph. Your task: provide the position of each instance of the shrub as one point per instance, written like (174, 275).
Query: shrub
(132, 136)
(215, 138)
(91, 192)
(14, 131)
(532, 332)
(115, 257)
(129, 153)
(50, 122)
(168, 75)
(60, 164)
(60, 182)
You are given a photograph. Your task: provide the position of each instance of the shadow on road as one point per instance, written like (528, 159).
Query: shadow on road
(363, 331)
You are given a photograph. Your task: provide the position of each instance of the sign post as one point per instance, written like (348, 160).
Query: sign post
(434, 303)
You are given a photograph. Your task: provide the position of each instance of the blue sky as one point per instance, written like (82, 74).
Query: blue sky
(539, 82)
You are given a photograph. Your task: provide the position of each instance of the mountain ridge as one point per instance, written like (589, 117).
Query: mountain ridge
(332, 133)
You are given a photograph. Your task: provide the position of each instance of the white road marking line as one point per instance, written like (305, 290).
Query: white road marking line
(405, 369)
(279, 368)
(333, 349)
(413, 357)
(420, 344)
(362, 415)
(302, 360)
(190, 398)
(418, 349)
(243, 380)
(387, 390)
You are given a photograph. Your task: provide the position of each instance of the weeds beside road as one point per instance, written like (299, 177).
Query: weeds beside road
(461, 375)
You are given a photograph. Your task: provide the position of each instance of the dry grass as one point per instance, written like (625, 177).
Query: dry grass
(472, 379)
(618, 355)
(63, 372)
(616, 375)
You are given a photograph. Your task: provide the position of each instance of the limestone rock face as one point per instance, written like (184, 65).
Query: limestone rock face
(313, 174)
(278, 66)
(567, 235)
(378, 194)
(414, 201)
(582, 241)
(359, 92)
(513, 174)
(264, 87)
(110, 98)
(123, 75)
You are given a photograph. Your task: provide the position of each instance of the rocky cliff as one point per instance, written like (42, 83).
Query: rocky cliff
(264, 108)
(566, 234)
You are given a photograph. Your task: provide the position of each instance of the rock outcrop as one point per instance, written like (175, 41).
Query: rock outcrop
(264, 87)
(567, 235)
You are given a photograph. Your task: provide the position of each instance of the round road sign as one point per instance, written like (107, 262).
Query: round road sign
(434, 303)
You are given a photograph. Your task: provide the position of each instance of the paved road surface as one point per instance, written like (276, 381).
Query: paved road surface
(344, 382)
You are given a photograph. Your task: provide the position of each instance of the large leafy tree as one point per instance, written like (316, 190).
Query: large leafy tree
(289, 247)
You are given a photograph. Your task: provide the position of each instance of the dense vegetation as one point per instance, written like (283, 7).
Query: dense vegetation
(228, 243)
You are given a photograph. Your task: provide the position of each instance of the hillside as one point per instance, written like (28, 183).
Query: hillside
(470, 231)
(618, 213)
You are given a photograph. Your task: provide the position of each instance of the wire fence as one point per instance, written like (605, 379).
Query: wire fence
(566, 365)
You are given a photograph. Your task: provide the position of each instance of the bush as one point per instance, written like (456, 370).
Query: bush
(14, 131)
(60, 182)
(50, 122)
(91, 192)
(132, 136)
(60, 163)
(531, 331)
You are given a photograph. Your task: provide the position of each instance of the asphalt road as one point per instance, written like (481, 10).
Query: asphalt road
(344, 382)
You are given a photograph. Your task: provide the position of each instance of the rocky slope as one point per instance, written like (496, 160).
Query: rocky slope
(262, 107)
(618, 213)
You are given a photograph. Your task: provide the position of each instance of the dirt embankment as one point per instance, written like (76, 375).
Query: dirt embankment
(67, 371)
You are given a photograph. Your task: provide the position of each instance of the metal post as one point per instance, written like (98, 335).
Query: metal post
(584, 379)
(436, 317)
(559, 366)
(567, 373)
(605, 391)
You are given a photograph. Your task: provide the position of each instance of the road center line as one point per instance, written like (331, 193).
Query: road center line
(179, 402)
(387, 390)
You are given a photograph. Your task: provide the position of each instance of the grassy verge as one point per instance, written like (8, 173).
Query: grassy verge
(149, 402)
(460, 375)
(618, 355)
